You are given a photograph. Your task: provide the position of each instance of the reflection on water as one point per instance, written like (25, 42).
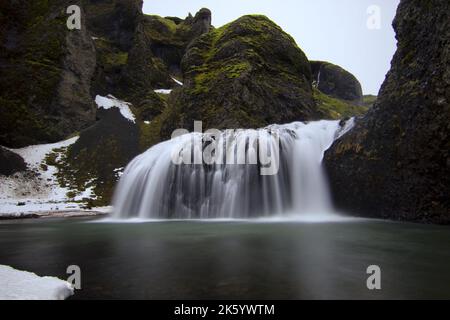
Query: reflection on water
(235, 259)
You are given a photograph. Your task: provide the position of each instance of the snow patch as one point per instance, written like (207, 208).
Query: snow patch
(177, 81)
(164, 91)
(37, 190)
(112, 102)
(105, 209)
(23, 285)
(119, 172)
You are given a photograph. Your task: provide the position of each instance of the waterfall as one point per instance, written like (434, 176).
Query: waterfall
(153, 186)
(318, 77)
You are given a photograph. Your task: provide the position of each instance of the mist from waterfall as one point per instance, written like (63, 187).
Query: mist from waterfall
(154, 187)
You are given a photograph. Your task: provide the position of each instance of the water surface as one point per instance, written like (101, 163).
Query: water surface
(234, 260)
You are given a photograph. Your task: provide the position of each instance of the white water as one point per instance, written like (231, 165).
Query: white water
(153, 187)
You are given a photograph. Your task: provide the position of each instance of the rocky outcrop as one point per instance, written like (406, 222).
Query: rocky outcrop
(169, 37)
(395, 163)
(46, 71)
(248, 73)
(336, 82)
(50, 74)
(113, 20)
(100, 155)
(138, 53)
(10, 162)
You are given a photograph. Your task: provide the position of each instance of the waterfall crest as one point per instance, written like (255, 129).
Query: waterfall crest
(154, 187)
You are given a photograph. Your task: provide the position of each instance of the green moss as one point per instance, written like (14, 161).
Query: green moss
(151, 133)
(242, 46)
(31, 76)
(89, 167)
(332, 108)
(109, 55)
(166, 31)
(169, 24)
(206, 76)
(117, 59)
(369, 100)
(20, 125)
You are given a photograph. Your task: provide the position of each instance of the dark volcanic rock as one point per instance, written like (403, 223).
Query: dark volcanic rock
(99, 153)
(141, 55)
(114, 20)
(169, 38)
(45, 73)
(396, 162)
(336, 82)
(248, 73)
(10, 162)
(50, 74)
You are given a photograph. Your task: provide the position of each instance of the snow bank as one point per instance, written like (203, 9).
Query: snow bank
(37, 191)
(23, 285)
(112, 102)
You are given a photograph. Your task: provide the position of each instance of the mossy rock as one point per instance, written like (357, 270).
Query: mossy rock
(395, 162)
(98, 155)
(248, 73)
(37, 63)
(336, 82)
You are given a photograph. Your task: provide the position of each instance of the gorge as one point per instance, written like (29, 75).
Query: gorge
(296, 184)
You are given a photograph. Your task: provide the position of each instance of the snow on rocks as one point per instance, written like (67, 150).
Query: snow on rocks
(37, 191)
(112, 102)
(23, 285)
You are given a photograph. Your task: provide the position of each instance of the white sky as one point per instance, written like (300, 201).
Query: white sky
(330, 30)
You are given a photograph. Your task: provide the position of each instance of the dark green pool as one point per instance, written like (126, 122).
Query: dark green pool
(234, 260)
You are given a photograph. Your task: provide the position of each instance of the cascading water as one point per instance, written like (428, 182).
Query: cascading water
(154, 186)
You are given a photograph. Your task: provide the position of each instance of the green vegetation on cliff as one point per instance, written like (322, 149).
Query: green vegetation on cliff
(248, 73)
(333, 108)
(32, 57)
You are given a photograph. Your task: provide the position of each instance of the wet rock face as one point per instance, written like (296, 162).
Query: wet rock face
(247, 74)
(396, 162)
(46, 71)
(115, 20)
(336, 82)
(51, 74)
(10, 162)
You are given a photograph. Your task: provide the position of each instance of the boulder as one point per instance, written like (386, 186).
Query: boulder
(395, 163)
(248, 73)
(10, 162)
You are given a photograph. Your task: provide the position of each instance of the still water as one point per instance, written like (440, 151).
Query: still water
(234, 259)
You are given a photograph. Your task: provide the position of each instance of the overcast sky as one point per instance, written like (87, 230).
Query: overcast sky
(330, 30)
